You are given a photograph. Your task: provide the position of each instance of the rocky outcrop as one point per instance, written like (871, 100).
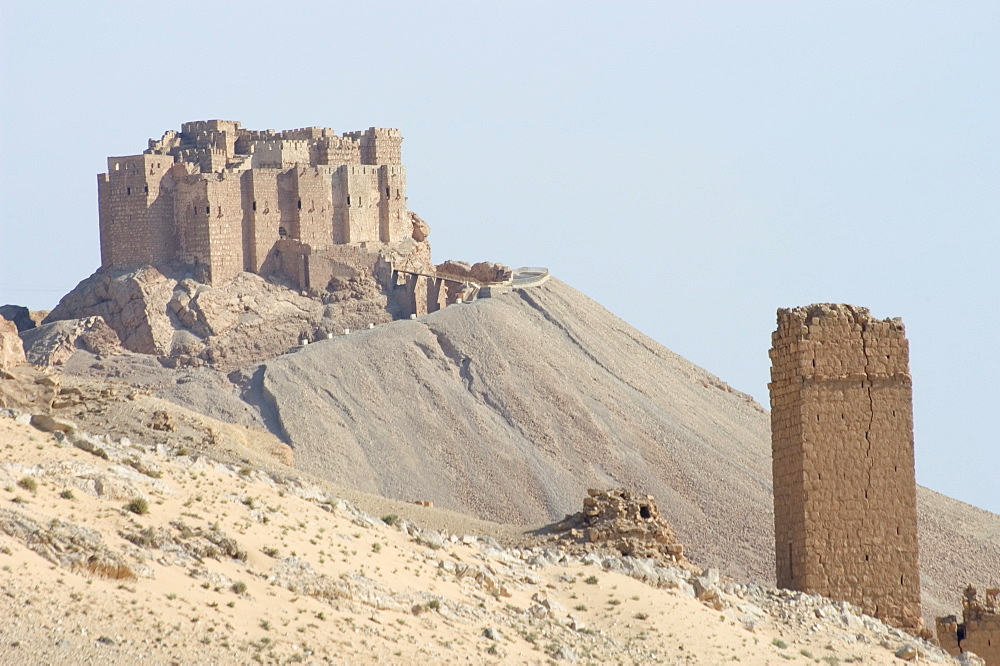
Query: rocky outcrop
(131, 302)
(11, 348)
(484, 272)
(187, 323)
(490, 272)
(19, 315)
(454, 268)
(620, 521)
(28, 387)
(53, 343)
(421, 230)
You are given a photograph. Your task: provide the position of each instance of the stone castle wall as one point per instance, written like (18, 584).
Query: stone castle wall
(842, 442)
(136, 188)
(220, 197)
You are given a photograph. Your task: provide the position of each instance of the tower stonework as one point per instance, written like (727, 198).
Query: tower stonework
(845, 514)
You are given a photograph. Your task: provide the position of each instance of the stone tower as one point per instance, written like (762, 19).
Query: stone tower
(845, 514)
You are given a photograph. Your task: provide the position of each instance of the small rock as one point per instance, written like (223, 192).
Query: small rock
(565, 653)
(907, 652)
(432, 538)
(492, 634)
(49, 423)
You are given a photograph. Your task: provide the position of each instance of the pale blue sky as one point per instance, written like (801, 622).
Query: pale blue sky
(691, 166)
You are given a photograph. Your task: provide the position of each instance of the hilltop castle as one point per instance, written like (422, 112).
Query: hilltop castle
(307, 204)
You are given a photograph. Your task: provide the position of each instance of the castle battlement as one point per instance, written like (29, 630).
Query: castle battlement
(220, 197)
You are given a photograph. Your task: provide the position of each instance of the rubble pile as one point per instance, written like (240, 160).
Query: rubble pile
(620, 521)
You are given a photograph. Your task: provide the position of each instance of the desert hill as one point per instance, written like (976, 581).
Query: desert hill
(124, 550)
(509, 408)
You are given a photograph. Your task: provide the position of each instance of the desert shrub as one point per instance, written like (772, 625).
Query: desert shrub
(138, 506)
(66, 494)
(28, 483)
(390, 519)
(239, 587)
(107, 569)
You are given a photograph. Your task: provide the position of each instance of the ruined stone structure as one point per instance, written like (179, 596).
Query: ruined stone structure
(306, 203)
(621, 521)
(845, 514)
(979, 630)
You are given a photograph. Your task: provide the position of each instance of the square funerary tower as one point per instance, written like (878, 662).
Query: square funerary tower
(845, 511)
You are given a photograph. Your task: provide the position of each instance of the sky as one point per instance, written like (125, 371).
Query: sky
(692, 166)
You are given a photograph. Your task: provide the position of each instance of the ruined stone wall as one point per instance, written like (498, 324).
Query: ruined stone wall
(290, 259)
(842, 443)
(210, 224)
(979, 630)
(339, 261)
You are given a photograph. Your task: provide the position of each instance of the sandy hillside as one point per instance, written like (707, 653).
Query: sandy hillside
(510, 408)
(129, 551)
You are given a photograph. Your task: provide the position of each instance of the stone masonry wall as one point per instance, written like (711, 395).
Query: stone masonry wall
(979, 630)
(842, 442)
(136, 209)
(314, 205)
(394, 220)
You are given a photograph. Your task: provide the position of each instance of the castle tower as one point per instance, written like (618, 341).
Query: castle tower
(845, 514)
(379, 145)
(393, 220)
(135, 205)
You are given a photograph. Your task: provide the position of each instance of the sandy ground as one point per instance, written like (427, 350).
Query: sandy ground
(322, 582)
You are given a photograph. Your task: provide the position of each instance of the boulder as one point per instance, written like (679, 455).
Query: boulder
(19, 315)
(907, 652)
(490, 272)
(11, 348)
(49, 423)
(421, 230)
(452, 268)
